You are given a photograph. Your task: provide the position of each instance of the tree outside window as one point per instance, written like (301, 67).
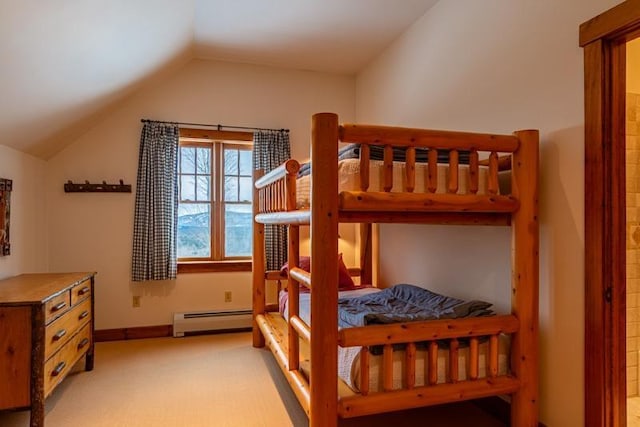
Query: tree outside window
(214, 210)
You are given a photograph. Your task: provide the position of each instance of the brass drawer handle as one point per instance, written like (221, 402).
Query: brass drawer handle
(59, 367)
(58, 307)
(83, 291)
(59, 334)
(83, 315)
(83, 343)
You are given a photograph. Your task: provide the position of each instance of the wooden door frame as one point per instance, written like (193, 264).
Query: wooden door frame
(604, 41)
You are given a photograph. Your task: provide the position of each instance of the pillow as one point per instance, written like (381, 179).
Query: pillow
(345, 282)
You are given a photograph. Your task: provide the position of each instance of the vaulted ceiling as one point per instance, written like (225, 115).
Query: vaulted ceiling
(66, 62)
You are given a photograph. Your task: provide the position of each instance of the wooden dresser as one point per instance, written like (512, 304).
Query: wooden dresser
(46, 326)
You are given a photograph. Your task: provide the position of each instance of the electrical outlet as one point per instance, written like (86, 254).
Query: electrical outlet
(228, 296)
(136, 301)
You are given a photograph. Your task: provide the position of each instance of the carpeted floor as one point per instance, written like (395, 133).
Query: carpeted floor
(202, 381)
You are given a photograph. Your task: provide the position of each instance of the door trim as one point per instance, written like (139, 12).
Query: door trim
(604, 41)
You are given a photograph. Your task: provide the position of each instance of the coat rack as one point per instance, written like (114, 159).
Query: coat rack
(70, 187)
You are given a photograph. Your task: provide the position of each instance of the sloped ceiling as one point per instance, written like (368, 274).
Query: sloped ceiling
(66, 63)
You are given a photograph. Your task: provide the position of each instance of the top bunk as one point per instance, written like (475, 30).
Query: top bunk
(419, 176)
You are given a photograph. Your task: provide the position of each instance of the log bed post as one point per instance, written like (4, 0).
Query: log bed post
(324, 271)
(524, 281)
(366, 254)
(258, 266)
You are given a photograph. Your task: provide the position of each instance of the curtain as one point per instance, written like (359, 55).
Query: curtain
(270, 150)
(156, 207)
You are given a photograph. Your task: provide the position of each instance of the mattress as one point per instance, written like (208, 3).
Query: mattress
(349, 357)
(349, 179)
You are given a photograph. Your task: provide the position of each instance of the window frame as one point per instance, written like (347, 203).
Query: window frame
(217, 140)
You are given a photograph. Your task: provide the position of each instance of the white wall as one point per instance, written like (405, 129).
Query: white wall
(93, 231)
(27, 232)
(498, 66)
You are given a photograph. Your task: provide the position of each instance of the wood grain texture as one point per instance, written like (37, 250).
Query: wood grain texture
(220, 135)
(293, 288)
(38, 287)
(398, 333)
(366, 253)
(259, 266)
(324, 245)
(15, 346)
(605, 228)
(133, 333)
(596, 255)
(524, 280)
(49, 327)
(518, 210)
(420, 202)
(618, 224)
(442, 218)
(289, 167)
(359, 405)
(617, 22)
(426, 138)
(275, 333)
(63, 329)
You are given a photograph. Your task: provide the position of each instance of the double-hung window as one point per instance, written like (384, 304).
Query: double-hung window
(215, 192)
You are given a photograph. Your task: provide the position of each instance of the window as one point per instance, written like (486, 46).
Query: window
(214, 209)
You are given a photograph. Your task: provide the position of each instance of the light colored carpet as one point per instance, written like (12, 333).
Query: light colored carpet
(202, 381)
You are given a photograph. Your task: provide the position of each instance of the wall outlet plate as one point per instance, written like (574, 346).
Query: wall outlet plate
(228, 296)
(136, 301)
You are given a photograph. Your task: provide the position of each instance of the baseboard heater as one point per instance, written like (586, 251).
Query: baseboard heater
(209, 321)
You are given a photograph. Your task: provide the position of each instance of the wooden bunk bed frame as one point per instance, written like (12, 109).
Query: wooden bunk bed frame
(301, 349)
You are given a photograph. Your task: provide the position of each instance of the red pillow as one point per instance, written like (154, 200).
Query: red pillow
(345, 282)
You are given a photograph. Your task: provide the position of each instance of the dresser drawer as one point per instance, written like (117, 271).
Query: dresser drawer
(56, 306)
(56, 368)
(80, 292)
(63, 328)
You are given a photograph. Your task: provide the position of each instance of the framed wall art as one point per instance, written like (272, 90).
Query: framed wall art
(5, 209)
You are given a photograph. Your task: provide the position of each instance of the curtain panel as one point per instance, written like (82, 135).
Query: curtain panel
(270, 150)
(156, 206)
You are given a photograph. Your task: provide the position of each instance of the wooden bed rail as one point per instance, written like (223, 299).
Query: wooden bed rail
(451, 335)
(427, 138)
(301, 276)
(397, 333)
(276, 191)
(289, 167)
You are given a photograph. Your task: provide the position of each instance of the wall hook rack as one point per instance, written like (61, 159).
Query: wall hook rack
(87, 187)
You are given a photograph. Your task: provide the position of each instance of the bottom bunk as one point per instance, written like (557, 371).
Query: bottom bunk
(433, 362)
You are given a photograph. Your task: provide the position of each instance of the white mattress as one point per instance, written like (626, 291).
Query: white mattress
(349, 179)
(349, 357)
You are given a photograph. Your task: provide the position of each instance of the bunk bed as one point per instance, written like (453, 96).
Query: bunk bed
(302, 348)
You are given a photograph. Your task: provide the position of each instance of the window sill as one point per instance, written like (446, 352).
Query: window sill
(187, 267)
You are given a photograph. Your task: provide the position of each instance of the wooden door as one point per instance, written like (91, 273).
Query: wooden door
(604, 40)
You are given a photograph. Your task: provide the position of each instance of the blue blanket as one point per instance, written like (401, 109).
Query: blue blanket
(405, 303)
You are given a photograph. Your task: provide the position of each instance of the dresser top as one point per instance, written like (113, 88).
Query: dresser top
(38, 287)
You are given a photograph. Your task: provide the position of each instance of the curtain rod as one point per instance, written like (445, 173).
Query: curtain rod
(219, 127)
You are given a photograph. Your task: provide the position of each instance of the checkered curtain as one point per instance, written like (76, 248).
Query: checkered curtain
(156, 211)
(270, 150)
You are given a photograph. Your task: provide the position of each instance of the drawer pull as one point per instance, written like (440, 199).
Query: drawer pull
(59, 334)
(83, 291)
(59, 367)
(83, 315)
(83, 343)
(58, 307)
